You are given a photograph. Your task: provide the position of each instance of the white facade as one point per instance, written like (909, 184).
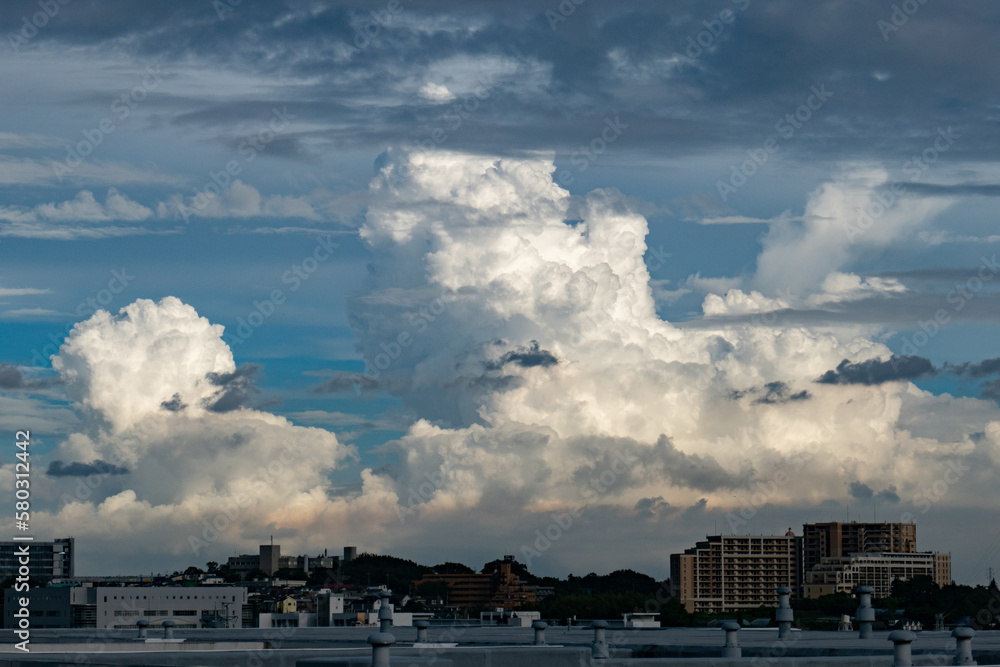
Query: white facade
(186, 606)
(843, 574)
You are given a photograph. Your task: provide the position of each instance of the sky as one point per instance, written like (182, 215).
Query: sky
(579, 281)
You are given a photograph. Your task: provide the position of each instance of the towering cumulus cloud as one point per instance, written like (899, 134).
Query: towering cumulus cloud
(158, 467)
(518, 321)
(557, 415)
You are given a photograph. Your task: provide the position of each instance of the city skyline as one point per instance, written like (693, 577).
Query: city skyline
(582, 281)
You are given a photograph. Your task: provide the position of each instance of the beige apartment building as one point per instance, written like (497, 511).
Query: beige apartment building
(727, 573)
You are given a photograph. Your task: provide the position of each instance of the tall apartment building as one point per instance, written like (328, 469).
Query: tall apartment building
(834, 539)
(727, 573)
(843, 574)
(46, 560)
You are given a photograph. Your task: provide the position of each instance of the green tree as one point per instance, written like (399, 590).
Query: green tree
(452, 568)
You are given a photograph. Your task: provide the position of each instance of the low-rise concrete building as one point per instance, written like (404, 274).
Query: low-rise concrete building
(843, 574)
(47, 607)
(124, 606)
(186, 606)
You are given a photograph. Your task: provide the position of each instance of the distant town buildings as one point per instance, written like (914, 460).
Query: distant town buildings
(828, 540)
(269, 560)
(124, 606)
(728, 573)
(501, 590)
(46, 560)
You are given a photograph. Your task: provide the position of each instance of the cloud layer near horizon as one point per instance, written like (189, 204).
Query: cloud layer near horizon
(518, 323)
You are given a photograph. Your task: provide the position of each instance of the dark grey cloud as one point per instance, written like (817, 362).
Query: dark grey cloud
(779, 392)
(888, 495)
(604, 59)
(771, 393)
(695, 510)
(236, 389)
(175, 404)
(525, 356)
(954, 190)
(11, 377)
(649, 508)
(978, 369)
(877, 371)
(861, 491)
(78, 469)
(634, 464)
(990, 389)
